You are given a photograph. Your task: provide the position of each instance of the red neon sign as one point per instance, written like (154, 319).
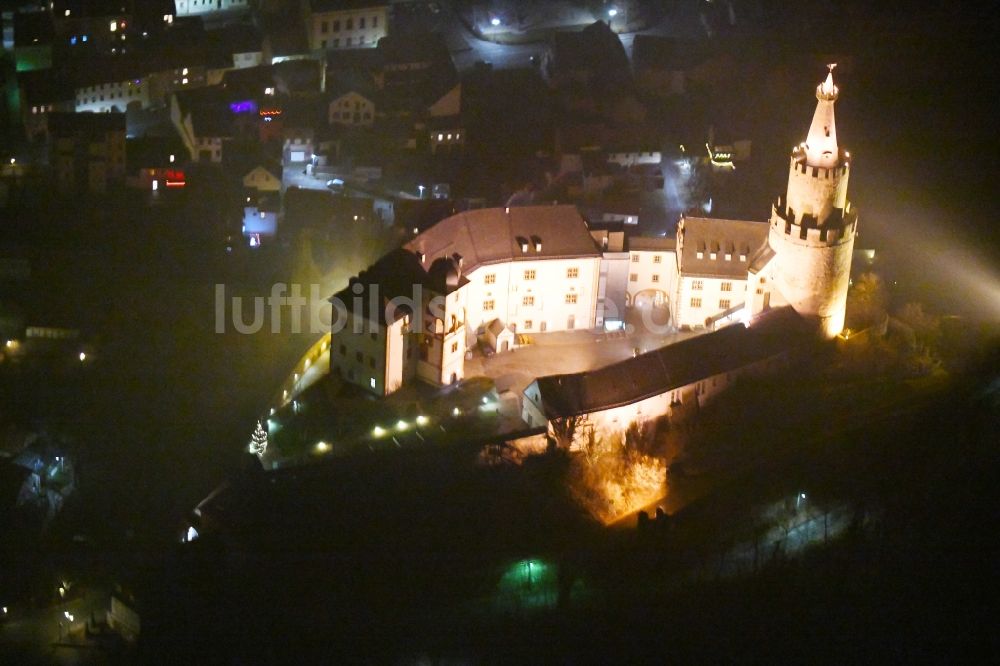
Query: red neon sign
(174, 178)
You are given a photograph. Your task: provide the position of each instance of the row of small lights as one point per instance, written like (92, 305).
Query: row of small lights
(403, 426)
(14, 344)
(379, 432)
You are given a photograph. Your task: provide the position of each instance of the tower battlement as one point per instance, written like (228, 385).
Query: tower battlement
(840, 226)
(812, 228)
(799, 163)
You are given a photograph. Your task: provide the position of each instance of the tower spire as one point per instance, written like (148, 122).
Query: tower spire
(821, 143)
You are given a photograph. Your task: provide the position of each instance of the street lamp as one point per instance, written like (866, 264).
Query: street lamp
(495, 22)
(421, 188)
(612, 12)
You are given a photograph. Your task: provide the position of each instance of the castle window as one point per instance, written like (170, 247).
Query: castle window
(454, 347)
(696, 302)
(657, 259)
(656, 278)
(527, 324)
(529, 274)
(570, 299)
(700, 255)
(729, 257)
(490, 278)
(489, 305)
(635, 258)
(743, 257)
(712, 256)
(572, 273)
(359, 357)
(724, 304)
(760, 291)
(633, 277)
(726, 286)
(528, 301)
(697, 285)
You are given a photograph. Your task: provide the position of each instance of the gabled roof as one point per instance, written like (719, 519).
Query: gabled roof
(673, 366)
(664, 243)
(654, 52)
(710, 235)
(761, 258)
(45, 86)
(87, 124)
(417, 47)
(338, 5)
(394, 276)
(595, 48)
(494, 235)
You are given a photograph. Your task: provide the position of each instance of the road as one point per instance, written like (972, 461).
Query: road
(45, 635)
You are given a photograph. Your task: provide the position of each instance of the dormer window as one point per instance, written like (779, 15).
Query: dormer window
(700, 255)
(537, 242)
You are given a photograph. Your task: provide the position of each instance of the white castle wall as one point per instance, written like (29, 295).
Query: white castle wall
(812, 272)
(816, 191)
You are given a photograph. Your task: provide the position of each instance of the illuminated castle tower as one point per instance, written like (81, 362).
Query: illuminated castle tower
(808, 260)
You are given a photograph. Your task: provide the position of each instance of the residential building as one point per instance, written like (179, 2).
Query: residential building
(346, 24)
(113, 96)
(210, 7)
(263, 179)
(87, 150)
(351, 108)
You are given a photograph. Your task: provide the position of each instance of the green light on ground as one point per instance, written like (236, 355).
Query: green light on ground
(527, 584)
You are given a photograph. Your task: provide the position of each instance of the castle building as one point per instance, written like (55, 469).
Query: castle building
(488, 275)
(806, 262)
(415, 312)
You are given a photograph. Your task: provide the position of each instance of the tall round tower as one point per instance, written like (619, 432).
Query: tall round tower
(813, 226)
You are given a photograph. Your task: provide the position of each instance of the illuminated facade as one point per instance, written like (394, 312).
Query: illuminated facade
(807, 260)
(202, 7)
(730, 270)
(346, 25)
(509, 271)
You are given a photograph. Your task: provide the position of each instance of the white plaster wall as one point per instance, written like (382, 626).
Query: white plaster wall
(549, 290)
(643, 266)
(710, 294)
